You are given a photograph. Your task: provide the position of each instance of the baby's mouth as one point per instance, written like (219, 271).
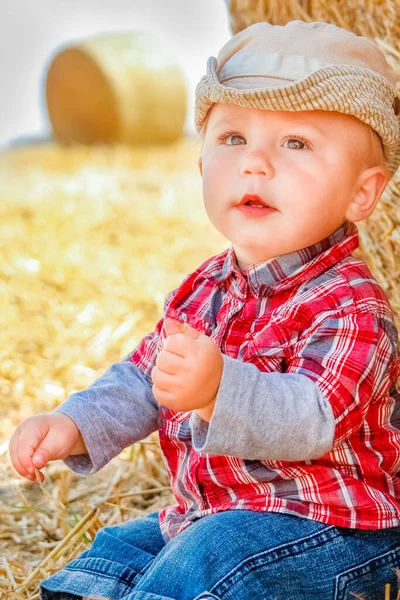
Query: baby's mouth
(252, 205)
(253, 200)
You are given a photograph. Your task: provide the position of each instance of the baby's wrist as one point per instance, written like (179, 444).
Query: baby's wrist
(79, 447)
(207, 411)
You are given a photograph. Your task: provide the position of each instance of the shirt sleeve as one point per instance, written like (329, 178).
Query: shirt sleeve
(117, 410)
(320, 400)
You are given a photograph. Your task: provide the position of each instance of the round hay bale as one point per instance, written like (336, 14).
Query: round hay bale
(378, 20)
(118, 87)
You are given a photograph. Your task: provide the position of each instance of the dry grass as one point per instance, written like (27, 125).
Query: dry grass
(91, 241)
(376, 19)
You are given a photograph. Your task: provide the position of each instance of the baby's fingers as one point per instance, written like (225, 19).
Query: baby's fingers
(21, 456)
(43, 454)
(30, 434)
(54, 446)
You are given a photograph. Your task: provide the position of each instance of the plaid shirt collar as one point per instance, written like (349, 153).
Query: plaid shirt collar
(284, 271)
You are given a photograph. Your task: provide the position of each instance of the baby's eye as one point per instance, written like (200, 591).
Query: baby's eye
(232, 135)
(296, 143)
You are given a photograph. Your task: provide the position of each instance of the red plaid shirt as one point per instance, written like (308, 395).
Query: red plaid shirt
(288, 309)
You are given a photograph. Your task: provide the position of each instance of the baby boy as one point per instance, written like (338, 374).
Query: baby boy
(271, 377)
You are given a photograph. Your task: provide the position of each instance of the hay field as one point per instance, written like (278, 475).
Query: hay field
(91, 241)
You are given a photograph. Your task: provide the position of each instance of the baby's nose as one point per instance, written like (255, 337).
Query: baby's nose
(257, 163)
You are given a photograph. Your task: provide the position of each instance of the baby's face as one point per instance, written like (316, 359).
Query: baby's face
(303, 165)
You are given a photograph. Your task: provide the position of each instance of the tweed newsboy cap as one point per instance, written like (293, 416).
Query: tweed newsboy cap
(306, 66)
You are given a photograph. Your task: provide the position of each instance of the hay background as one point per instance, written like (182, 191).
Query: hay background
(91, 241)
(376, 19)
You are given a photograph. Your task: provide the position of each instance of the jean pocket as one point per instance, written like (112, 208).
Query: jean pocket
(368, 579)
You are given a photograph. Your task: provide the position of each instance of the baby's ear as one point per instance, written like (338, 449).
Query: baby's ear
(201, 166)
(370, 187)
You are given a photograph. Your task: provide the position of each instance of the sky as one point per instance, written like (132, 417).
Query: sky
(31, 31)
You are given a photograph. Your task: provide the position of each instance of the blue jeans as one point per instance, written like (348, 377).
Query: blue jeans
(232, 555)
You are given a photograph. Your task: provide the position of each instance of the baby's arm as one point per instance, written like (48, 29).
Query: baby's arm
(93, 425)
(319, 401)
(117, 410)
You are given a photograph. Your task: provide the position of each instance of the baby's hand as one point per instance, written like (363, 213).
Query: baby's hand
(188, 370)
(42, 438)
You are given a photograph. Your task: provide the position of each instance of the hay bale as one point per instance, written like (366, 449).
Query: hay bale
(119, 87)
(378, 20)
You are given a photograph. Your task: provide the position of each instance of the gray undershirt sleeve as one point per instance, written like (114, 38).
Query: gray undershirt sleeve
(117, 410)
(265, 416)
